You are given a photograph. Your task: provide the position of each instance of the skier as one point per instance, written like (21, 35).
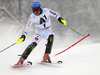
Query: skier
(41, 18)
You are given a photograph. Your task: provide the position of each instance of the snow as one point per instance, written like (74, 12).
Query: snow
(79, 60)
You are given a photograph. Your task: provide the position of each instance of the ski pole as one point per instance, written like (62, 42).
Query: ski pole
(8, 47)
(75, 31)
(72, 45)
(18, 41)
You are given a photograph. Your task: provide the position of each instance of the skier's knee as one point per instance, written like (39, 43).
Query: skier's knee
(50, 39)
(32, 46)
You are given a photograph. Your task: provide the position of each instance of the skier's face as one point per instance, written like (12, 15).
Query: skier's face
(36, 11)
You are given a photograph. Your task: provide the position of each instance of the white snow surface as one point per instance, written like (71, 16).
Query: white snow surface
(79, 60)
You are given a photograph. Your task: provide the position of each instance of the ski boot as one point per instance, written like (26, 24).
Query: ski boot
(46, 58)
(20, 62)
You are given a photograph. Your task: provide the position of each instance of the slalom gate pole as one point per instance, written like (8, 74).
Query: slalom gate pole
(72, 45)
(7, 47)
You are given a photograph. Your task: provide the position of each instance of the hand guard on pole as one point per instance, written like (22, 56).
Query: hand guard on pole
(21, 39)
(61, 20)
(64, 22)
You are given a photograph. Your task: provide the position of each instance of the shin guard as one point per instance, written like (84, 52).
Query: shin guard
(49, 44)
(28, 50)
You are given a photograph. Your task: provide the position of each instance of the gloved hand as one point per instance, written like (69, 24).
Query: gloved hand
(21, 39)
(60, 19)
(64, 22)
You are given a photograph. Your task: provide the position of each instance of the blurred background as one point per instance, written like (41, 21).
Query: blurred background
(81, 15)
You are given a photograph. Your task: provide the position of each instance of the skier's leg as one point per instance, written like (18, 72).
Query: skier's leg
(46, 57)
(36, 40)
(26, 52)
(49, 44)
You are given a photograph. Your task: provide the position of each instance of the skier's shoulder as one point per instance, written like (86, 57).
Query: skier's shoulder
(46, 9)
(32, 15)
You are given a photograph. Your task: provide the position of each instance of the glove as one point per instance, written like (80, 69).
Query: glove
(60, 19)
(21, 39)
(64, 22)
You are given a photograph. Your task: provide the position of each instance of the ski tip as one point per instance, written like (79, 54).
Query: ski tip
(88, 34)
(59, 62)
(29, 62)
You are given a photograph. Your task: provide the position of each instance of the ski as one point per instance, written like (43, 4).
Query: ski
(28, 64)
(53, 64)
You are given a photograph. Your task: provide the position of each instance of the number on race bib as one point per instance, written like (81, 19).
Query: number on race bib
(43, 20)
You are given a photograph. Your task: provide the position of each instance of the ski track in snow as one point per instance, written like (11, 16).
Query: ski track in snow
(79, 60)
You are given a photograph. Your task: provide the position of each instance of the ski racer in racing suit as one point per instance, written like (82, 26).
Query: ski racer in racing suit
(41, 19)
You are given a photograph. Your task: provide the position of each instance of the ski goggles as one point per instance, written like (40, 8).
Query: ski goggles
(36, 9)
